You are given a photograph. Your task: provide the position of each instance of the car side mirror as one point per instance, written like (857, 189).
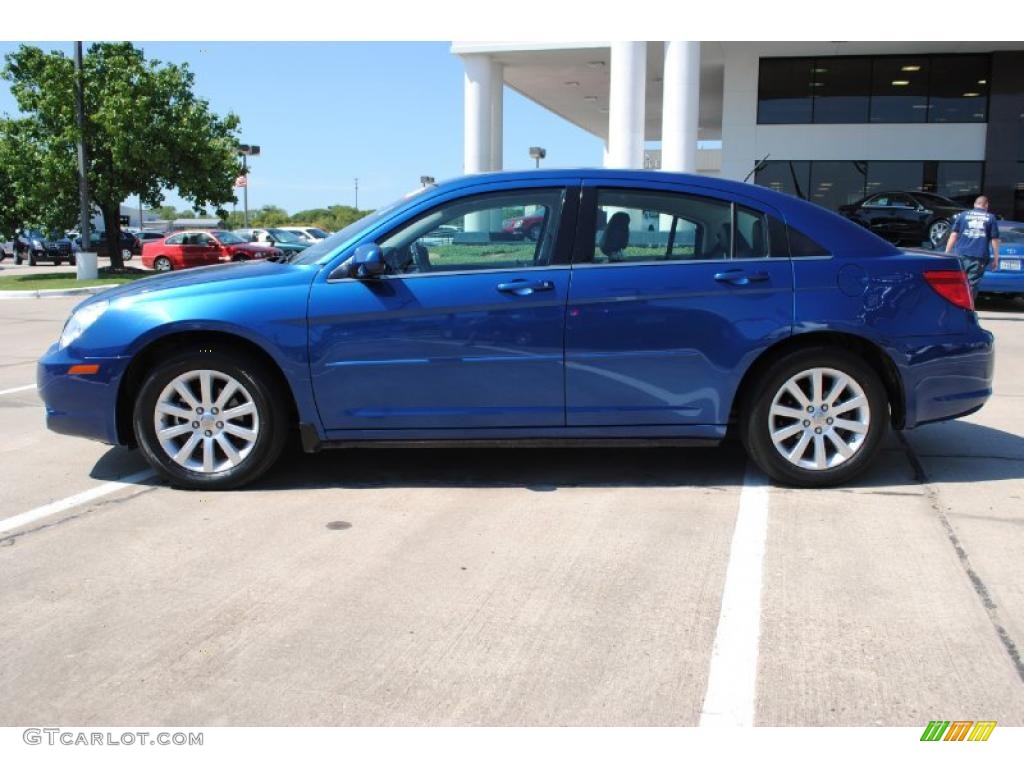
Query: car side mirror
(368, 262)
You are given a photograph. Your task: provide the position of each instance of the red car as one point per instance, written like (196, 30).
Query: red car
(528, 226)
(199, 249)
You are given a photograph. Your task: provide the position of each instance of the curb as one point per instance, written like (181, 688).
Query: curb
(55, 293)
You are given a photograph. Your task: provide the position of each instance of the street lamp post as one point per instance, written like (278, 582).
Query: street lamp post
(538, 154)
(246, 150)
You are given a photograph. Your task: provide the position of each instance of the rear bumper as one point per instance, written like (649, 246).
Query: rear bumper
(947, 378)
(84, 406)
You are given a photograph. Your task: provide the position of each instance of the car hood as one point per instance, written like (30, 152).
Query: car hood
(219, 278)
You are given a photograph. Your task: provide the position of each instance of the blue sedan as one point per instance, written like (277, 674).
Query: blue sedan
(651, 308)
(1008, 278)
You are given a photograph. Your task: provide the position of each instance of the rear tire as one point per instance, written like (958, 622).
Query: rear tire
(818, 420)
(219, 419)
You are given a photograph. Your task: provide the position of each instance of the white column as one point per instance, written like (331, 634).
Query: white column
(627, 103)
(497, 108)
(606, 157)
(680, 107)
(478, 87)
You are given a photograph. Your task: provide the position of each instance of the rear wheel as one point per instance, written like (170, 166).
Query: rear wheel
(818, 420)
(208, 420)
(162, 264)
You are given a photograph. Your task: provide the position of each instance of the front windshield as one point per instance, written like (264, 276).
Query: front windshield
(323, 248)
(35, 234)
(317, 233)
(284, 236)
(228, 238)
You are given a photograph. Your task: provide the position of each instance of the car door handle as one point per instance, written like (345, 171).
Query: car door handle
(741, 277)
(525, 287)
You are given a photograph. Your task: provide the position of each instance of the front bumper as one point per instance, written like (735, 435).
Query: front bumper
(80, 405)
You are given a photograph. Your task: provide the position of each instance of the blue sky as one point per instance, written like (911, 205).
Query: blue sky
(326, 113)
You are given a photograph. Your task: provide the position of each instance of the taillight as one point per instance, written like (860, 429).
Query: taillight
(952, 285)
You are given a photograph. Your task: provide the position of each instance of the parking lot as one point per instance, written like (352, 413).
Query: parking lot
(506, 586)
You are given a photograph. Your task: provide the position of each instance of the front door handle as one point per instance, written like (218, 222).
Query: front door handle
(525, 287)
(741, 277)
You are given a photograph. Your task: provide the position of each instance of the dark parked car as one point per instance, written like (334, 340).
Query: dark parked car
(742, 312)
(130, 244)
(909, 218)
(34, 245)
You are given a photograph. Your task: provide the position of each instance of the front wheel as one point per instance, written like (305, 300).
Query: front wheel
(162, 264)
(938, 232)
(818, 420)
(209, 420)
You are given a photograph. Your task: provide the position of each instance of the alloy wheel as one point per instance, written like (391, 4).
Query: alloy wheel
(819, 418)
(206, 421)
(937, 232)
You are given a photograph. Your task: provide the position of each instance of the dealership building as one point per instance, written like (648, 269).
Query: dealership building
(828, 121)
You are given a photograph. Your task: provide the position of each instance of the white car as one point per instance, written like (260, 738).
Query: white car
(309, 234)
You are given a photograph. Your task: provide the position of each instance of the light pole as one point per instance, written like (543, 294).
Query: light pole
(357, 193)
(538, 154)
(246, 150)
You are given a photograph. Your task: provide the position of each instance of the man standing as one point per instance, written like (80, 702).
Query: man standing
(969, 239)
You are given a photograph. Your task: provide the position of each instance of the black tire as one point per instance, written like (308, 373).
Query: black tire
(17, 258)
(266, 395)
(757, 423)
(73, 260)
(31, 259)
(162, 264)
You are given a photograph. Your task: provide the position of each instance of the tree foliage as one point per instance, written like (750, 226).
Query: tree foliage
(145, 128)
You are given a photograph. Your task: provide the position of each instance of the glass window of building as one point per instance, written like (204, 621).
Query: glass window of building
(784, 91)
(837, 182)
(840, 88)
(899, 89)
(959, 89)
(889, 176)
(793, 177)
(960, 181)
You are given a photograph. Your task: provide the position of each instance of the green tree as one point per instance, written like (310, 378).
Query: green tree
(268, 216)
(145, 128)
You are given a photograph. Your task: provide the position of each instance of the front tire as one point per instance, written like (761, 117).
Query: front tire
(938, 233)
(210, 420)
(162, 264)
(818, 420)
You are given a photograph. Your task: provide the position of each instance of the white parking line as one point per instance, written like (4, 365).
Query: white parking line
(16, 389)
(732, 679)
(73, 501)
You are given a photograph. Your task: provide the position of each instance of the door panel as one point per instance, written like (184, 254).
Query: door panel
(462, 332)
(452, 350)
(664, 342)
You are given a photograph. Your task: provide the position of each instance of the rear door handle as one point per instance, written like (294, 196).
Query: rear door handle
(525, 287)
(741, 277)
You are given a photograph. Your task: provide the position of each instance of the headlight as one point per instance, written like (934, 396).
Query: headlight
(37, 243)
(80, 320)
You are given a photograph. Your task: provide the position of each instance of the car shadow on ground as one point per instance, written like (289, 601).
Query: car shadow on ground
(536, 469)
(953, 451)
(993, 302)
